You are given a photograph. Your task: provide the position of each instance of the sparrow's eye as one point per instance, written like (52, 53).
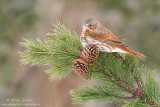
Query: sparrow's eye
(90, 25)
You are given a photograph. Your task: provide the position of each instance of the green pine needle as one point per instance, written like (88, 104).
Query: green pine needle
(109, 71)
(58, 51)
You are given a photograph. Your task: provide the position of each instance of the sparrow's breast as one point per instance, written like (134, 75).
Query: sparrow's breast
(86, 40)
(104, 47)
(83, 39)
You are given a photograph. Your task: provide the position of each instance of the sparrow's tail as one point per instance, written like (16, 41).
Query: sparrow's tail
(134, 53)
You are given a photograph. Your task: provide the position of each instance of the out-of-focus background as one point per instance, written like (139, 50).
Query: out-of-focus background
(138, 21)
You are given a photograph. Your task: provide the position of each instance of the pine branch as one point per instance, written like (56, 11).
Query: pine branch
(115, 74)
(139, 91)
(120, 83)
(58, 51)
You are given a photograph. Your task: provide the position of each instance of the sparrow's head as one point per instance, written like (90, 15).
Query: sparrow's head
(90, 24)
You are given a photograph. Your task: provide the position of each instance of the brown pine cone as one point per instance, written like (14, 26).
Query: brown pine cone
(90, 53)
(79, 66)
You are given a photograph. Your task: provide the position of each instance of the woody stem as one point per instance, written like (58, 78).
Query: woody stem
(139, 91)
(121, 83)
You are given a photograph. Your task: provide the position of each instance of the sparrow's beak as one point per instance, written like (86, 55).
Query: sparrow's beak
(85, 27)
(87, 24)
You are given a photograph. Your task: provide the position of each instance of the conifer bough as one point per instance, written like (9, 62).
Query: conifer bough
(114, 74)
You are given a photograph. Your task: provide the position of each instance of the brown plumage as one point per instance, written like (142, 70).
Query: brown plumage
(134, 53)
(94, 33)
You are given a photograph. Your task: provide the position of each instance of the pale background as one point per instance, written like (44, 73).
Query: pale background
(136, 21)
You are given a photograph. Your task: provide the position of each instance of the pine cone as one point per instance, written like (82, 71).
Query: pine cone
(79, 66)
(90, 53)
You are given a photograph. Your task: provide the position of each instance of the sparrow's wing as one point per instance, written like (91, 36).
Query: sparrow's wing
(107, 37)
